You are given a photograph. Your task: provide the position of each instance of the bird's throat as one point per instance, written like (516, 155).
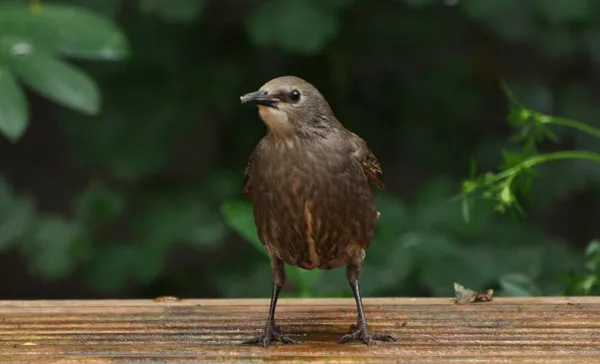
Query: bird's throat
(276, 120)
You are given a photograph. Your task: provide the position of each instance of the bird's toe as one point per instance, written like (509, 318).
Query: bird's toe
(386, 338)
(365, 335)
(270, 334)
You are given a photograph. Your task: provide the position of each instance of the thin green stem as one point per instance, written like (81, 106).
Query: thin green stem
(542, 158)
(546, 119)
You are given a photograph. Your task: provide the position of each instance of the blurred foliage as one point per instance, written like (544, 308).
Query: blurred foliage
(515, 180)
(588, 281)
(162, 141)
(33, 38)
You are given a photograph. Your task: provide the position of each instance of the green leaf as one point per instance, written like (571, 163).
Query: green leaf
(16, 215)
(72, 31)
(56, 80)
(511, 159)
(112, 277)
(518, 285)
(588, 283)
(180, 11)
(13, 107)
(592, 255)
(303, 27)
(240, 217)
(52, 245)
(15, 221)
(98, 203)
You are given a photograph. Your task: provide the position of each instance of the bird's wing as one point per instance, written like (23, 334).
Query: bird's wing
(368, 161)
(247, 186)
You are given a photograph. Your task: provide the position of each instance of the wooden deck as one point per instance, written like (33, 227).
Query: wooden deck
(506, 330)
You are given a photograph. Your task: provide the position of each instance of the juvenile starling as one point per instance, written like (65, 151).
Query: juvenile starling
(309, 179)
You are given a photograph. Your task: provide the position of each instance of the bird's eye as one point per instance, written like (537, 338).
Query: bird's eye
(294, 95)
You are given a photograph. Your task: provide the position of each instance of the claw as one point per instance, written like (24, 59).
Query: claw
(363, 333)
(271, 332)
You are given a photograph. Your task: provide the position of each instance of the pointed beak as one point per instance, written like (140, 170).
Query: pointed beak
(260, 98)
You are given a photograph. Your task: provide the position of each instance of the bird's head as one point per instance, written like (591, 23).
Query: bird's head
(289, 103)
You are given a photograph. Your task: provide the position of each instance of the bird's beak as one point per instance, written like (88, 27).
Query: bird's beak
(260, 97)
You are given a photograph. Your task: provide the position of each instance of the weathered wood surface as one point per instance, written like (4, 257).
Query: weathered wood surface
(507, 330)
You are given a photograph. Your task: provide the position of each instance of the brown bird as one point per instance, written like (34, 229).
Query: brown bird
(309, 179)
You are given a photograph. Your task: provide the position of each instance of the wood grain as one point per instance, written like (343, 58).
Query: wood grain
(429, 330)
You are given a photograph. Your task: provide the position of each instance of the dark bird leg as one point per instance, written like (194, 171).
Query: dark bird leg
(360, 330)
(272, 331)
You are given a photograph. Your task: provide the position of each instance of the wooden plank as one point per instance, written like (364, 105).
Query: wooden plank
(429, 330)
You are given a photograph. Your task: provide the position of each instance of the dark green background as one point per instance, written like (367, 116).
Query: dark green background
(140, 199)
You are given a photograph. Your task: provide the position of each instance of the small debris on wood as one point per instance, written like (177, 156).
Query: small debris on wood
(167, 299)
(466, 295)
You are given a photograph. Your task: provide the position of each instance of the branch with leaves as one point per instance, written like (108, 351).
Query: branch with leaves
(34, 38)
(516, 175)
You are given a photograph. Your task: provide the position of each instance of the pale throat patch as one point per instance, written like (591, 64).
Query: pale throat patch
(275, 119)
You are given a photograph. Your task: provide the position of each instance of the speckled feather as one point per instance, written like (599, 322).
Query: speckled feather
(314, 205)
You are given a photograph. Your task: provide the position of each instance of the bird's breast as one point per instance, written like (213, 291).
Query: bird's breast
(313, 207)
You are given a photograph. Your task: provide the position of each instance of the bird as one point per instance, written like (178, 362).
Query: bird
(310, 181)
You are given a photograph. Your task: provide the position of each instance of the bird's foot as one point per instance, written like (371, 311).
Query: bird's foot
(363, 333)
(270, 333)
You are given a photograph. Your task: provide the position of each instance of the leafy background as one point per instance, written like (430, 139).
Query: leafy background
(124, 141)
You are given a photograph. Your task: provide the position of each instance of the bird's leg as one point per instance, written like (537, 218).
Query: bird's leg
(360, 330)
(272, 331)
